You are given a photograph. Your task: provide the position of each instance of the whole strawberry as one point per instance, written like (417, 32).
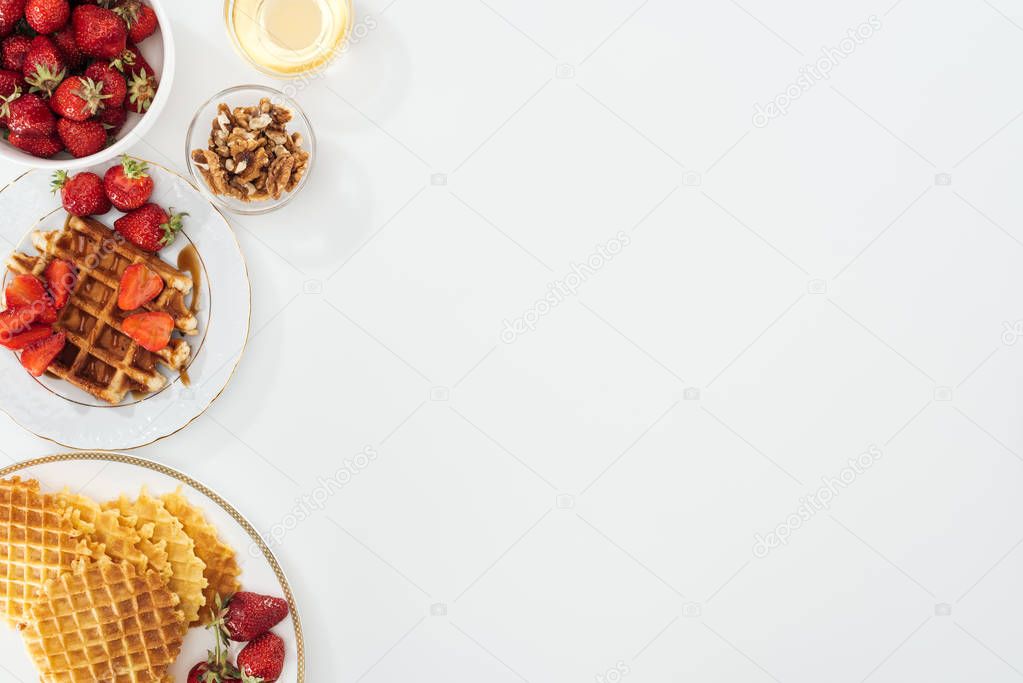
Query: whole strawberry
(42, 146)
(10, 85)
(131, 62)
(263, 658)
(140, 18)
(149, 228)
(44, 67)
(27, 114)
(99, 32)
(113, 119)
(14, 48)
(82, 194)
(82, 138)
(141, 92)
(64, 39)
(11, 11)
(115, 88)
(47, 16)
(128, 185)
(78, 98)
(248, 615)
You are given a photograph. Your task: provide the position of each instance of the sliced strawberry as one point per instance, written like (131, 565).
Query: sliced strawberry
(61, 279)
(25, 290)
(139, 286)
(151, 330)
(37, 356)
(29, 336)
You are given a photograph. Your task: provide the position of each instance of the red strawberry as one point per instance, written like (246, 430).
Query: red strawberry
(248, 615)
(65, 40)
(139, 286)
(19, 319)
(47, 16)
(42, 146)
(152, 331)
(142, 88)
(78, 98)
(203, 672)
(28, 115)
(99, 32)
(141, 19)
(14, 49)
(37, 356)
(44, 66)
(11, 11)
(128, 184)
(61, 278)
(24, 290)
(149, 227)
(115, 88)
(131, 61)
(81, 195)
(263, 658)
(29, 336)
(82, 138)
(11, 84)
(113, 119)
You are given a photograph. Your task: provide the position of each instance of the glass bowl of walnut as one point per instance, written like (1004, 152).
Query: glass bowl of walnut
(250, 149)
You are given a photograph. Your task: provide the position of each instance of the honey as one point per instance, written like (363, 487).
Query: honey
(289, 37)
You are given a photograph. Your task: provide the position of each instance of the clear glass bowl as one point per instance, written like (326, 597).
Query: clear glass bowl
(246, 96)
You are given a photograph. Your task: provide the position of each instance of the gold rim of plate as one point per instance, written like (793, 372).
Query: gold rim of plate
(105, 456)
(248, 322)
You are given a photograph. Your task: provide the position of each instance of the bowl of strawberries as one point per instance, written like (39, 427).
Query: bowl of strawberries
(80, 80)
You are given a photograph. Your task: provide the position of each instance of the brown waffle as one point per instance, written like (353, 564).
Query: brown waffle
(105, 622)
(99, 358)
(36, 544)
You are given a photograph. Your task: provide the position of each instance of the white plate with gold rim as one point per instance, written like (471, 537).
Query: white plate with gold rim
(56, 410)
(105, 476)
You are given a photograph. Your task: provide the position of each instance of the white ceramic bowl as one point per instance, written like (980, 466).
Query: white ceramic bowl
(158, 50)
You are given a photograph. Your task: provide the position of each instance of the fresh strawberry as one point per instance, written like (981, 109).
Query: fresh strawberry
(37, 356)
(20, 319)
(142, 88)
(149, 227)
(139, 286)
(248, 615)
(61, 278)
(14, 49)
(263, 658)
(11, 11)
(99, 32)
(113, 119)
(82, 138)
(47, 16)
(24, 290)
(78, 98)
(128, 184)
(65, 40)
(28, 115)
(115, 88)
(44, 66)
(11, 84)
(131, 62)
(30, 336)
(42, 146)
(140, 18)
(152, 331)
(82, 194)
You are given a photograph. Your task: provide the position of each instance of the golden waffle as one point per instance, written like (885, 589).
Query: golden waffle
(36, 545)
(99, 358)
(222, 568)
(106, 531)
(105, 622)
(186, 577)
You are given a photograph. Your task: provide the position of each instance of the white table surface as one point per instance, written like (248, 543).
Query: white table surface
(586, 497)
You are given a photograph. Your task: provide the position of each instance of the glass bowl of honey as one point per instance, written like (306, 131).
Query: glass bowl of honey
(288, 37)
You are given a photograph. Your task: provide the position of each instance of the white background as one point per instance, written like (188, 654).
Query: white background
(813, 282)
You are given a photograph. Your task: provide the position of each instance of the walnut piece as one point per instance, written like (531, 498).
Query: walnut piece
(251, 156)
